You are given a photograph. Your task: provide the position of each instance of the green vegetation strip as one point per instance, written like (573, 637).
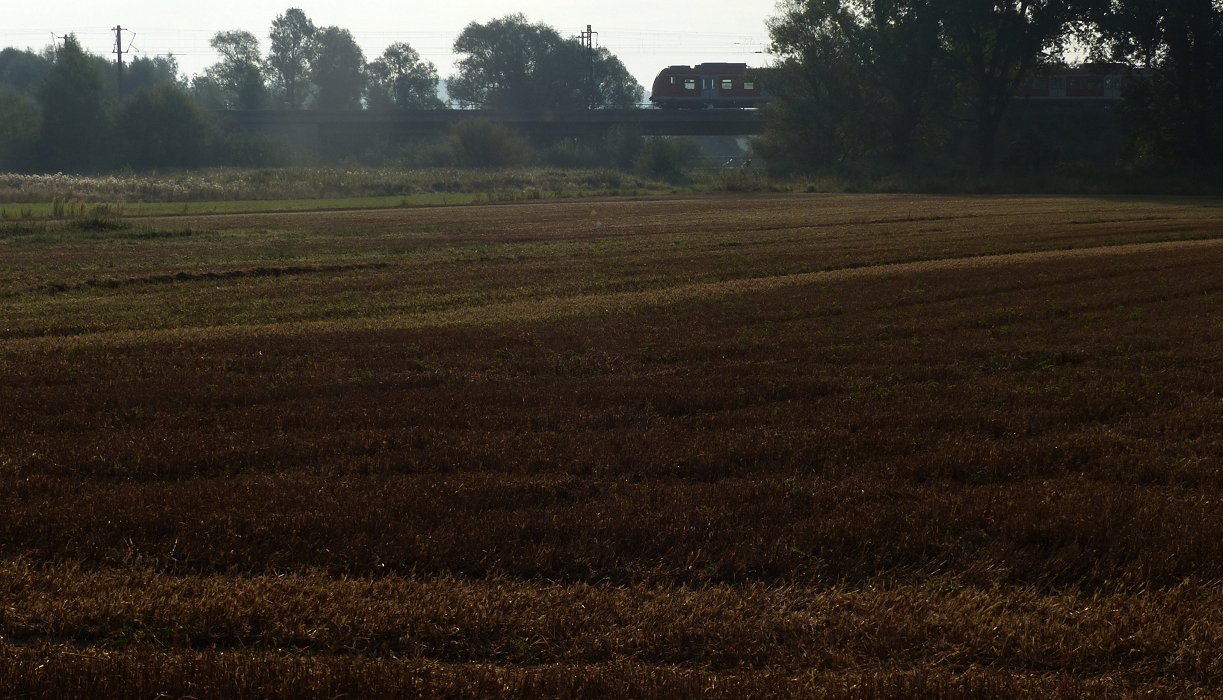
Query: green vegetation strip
(47, 210)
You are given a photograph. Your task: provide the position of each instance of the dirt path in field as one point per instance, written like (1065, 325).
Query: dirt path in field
(610, 303)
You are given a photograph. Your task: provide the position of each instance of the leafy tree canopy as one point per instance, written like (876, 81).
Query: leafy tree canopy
(399, 78)
(74, 99)
(159, 126)
(1172, 107)
(236, 81)
(22, 71)
(995, 46)
(855, 77)
(337, 69)
(864, 78)
(145, 72)
(510, 63)
(291, 55)
(20, 122)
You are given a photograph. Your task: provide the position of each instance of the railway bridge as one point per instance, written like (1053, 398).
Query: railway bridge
(329, 131)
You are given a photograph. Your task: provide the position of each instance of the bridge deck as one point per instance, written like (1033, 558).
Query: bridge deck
(677, 122)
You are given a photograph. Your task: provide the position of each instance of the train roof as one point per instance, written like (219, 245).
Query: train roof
(709, 68)
(1092, 69)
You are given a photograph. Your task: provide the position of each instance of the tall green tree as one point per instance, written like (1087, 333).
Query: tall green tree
(21, 74)
(400, 78)
(1172, 107)
(22, 71)
(20, 124)
(906, 41)
(337, 69)
(995, 46)
(291, 55)
(510, 63)
(587, 77)
(75, 126)
(855, 77)
(159, 126)
(816, 117)
(236, 81)
(612, 84)
(144, 72)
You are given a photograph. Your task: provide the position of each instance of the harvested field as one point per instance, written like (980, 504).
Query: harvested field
(785, 446)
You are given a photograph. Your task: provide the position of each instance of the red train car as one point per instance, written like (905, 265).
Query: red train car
(707, 85)
(1098, 81)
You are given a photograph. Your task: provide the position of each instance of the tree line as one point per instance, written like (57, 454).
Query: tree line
(876, 85)
(312, 67)
(64, 109)
(916, 83)
(507, 63)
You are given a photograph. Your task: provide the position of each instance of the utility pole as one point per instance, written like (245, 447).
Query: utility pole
(588, 41)
(56, 40)
(119, 55)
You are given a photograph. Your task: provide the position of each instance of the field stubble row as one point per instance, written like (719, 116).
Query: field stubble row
(509, 621)
(434, 260)
(1002, 471)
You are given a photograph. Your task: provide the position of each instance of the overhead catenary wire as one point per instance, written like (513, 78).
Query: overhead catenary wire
(633, 46)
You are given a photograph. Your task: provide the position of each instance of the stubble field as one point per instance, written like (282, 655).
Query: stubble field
(786, 446)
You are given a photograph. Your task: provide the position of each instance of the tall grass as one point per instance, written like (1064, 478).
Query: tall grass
(303, 183)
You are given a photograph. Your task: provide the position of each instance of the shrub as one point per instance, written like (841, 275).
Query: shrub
(480, 143)
(622, 145)
(160, 127)
(667, 158)
(20, 122)
(738, 180)
(568, 154)
(252, 150)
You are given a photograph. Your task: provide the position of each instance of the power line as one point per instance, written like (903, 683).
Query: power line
(588, 43)
(636, 47)
(119, 51)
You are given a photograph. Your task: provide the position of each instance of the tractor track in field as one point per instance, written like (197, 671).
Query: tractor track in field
(605, 303)
(642, 211)
(210, 275)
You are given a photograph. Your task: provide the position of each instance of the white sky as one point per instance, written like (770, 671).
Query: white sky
(646, 35)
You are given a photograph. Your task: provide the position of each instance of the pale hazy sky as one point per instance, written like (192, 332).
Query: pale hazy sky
(646, 35)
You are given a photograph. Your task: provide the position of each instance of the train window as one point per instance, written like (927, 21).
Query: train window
(673, 80)
(690, 83)
(728, 84)
(749, 85)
